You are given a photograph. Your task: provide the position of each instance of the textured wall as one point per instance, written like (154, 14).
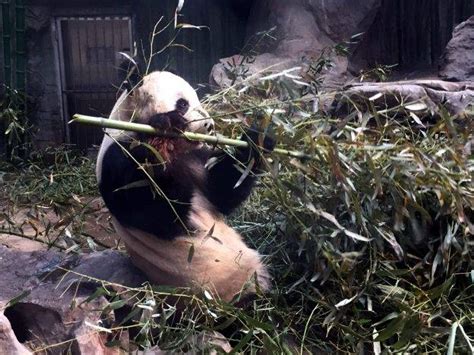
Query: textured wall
(412, 33)
(2, 80)
(227, 21)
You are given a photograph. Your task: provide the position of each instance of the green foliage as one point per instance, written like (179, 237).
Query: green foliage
(379, 73)
(52, 177)
(14, 121)
(47, 198)
(370, 242)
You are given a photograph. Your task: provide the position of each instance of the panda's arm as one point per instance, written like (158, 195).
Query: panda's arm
(227, 171)
(136, 203)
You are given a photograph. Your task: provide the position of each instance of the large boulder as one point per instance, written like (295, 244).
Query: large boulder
(49, 303)
(44, 298)
(457, 62)
(303, 30)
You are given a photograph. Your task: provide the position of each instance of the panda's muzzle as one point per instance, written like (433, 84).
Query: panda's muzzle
(198, 121)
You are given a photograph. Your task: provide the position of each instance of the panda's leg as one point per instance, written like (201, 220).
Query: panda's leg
(221, 264)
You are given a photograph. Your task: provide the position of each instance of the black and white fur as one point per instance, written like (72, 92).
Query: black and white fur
(174, 227)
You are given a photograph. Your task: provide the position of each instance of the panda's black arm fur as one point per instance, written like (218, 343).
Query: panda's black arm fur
(135, 203)
(224, 175)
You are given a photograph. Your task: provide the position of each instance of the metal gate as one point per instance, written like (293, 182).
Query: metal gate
(88, 58)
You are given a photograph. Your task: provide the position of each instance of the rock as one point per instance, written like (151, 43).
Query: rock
(341, 19)
(455, 97)
(19, 243)
(107, 265)
(457, 62)
(226, 73)
(87, 343)
(44, 304)
(9, 344)
(303, 29)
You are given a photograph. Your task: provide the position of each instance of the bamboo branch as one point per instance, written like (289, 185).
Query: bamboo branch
(147, 129)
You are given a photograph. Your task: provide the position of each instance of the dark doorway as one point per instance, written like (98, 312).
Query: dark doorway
(88, 56)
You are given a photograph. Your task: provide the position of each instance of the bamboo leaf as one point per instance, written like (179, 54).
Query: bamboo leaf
(246, 173)
(134, 185)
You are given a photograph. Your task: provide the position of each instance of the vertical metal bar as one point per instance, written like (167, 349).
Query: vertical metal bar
(57, 69)
(7, 64)
(79, 84)
(131, 31)
(89, 30)
(62, 76)
(20, 46)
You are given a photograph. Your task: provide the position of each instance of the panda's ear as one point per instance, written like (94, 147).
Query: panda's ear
(130, 72)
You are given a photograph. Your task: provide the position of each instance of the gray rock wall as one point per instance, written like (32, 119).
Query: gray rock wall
(304, 28)
(411, 34)
(457, 62)
(42, 79)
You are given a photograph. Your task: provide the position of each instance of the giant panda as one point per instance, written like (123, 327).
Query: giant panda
(168, 197)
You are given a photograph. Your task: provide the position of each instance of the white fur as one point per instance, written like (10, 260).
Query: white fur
(220, 262)
(158, 93)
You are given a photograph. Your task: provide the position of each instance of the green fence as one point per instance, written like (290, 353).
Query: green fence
(14, 63)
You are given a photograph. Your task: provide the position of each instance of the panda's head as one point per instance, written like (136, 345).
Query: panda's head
(160, 93)
(163, 92)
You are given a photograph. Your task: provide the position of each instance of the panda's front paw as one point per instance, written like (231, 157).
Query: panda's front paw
(259, 140)
(168, 122)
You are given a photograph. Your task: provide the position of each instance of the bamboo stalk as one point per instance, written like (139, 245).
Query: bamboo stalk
(192, 136)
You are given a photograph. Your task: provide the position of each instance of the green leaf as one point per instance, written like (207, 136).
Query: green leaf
(391, 329)
(242, 343)
(116, 305)
(100, 291)
(18, 298)
(245, 173)
(131, 315)
(134, 185)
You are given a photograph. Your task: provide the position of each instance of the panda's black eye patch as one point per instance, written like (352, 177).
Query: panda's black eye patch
(182, 106)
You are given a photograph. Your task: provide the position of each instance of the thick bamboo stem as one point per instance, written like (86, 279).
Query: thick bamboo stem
(147, 129)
